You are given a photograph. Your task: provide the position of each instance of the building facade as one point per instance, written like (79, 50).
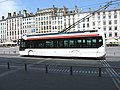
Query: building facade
(3, 30)
(55, 19)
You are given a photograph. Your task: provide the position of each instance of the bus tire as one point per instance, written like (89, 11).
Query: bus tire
(30, 53)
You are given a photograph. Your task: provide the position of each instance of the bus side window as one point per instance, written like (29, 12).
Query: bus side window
(71, 43)
(49, 44)
(41, 44)
(66, 42)
(60, 43)
(94, 42)
(35, 44)
(23, 43)
(32, 44)
(79, 43)
(89, 43)
(100, 42)
(55, 43)
(84, 43)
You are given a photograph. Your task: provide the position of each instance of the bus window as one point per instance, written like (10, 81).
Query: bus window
(71, 43)
(41, 44)
(66, 43)
(94, 42)
(84, 43)
(88, 42)
(35, 43)
(23, 43)
(49, 43)
(55, 43)
(79, 43)
(32, 44)
(100, 41)
(60, 43)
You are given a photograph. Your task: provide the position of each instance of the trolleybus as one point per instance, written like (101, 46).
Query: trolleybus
(69, 44)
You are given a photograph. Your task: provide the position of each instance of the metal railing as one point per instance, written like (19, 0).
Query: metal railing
(69, 68)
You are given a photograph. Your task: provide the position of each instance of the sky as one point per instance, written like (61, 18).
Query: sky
(10, 6)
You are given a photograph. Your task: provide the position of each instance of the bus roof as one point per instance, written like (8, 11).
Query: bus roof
(61, 35)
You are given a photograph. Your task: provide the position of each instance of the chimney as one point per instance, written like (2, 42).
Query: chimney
(76, 9)
(3, 17)
(53, 10)
(100, 7)
(19, 14)
(37, 9)
(9, 14)
(114, 8)
(90, 9)
(64, 10)
(31, 14)
(14, 14)
(25, 13)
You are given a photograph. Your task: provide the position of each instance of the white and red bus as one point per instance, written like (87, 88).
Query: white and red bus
(70, 44)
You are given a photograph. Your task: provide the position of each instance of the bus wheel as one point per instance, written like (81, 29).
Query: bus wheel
(30, 53)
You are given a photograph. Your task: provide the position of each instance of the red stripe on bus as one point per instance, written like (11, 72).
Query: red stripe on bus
(60, 37)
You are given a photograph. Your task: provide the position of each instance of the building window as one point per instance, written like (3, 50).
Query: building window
(104, 22)
(110, 28)
(105, 35)
(99, 28)
(83, 25)
(104, 28)
(109, 12)
(87, 24)
(93, 23)
(110, 34)
(103, 12)
(115, 11)
(115, 21)
(115, 27)
(98, 23)
(116, 34)
(110, 22)
(53, 27)
(109, 16)
(98, 17)
(78, 25)
(87, 19)
(98, 13)
(104, 17)
(115, 16)
(93, 17)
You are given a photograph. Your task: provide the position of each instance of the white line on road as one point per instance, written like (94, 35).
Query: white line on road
(12, 71)
(113, 74)
(8, 72)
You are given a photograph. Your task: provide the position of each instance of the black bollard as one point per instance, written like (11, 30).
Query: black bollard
(99, 72)
(8, 65)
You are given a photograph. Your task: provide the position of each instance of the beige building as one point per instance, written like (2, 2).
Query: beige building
(55, 19)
